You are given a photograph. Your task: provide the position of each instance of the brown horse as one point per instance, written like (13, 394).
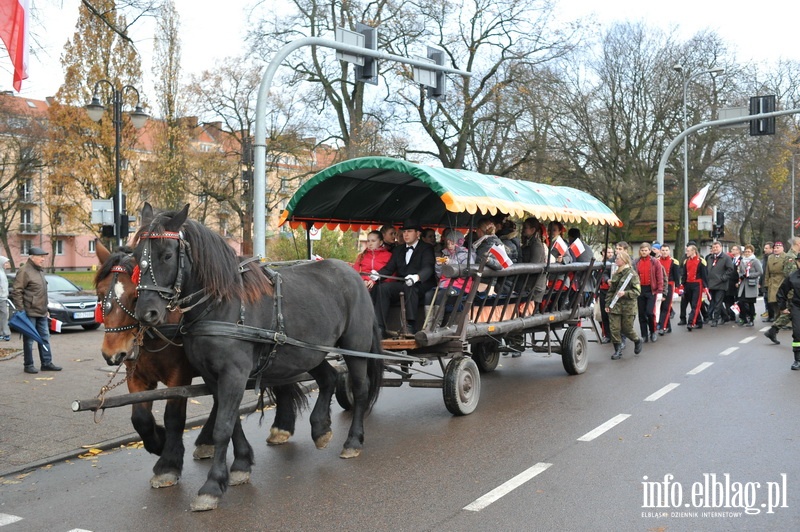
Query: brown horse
(161, 358)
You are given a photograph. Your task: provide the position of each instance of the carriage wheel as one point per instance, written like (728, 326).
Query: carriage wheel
(485, 358)
(462, 386)
(344, 392)
(574, 354)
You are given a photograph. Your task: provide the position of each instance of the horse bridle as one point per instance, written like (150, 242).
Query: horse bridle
(172, 295)
(111, 297)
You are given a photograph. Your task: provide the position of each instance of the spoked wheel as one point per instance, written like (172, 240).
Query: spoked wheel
(344, 392)
(462, 386)
(574, 354)
(485, 357)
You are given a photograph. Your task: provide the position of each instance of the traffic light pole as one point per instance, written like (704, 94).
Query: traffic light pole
(677, 140)
(260, 143)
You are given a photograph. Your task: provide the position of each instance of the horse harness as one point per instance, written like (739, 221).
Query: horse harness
(276, 336)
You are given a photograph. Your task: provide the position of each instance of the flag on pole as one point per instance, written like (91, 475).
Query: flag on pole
(577, 247)
(55, 325)
(699, 198)
(14, 33)
(797, 223)
(560, 246)
(499, 253)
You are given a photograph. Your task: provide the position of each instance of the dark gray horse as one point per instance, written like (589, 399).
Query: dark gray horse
(242, 320)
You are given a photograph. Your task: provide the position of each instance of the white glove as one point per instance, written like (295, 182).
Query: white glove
(411, 279)
(374, 276)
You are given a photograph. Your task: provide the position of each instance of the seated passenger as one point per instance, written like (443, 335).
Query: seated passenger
(389, 234)
(415, 263)
(534, 251)
(374, 257)
(454, 253)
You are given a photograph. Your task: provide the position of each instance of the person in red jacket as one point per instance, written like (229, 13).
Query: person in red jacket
(695, 280)
(374, 257)
(672, 269)
(651, 276)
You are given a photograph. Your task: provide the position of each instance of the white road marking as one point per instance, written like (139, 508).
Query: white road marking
(747, 340)
(6, 519)
(764, 329)
(506, 487)
(662, 392)
(728, 351)
(700, 368)
(611, 423)
(79, 530)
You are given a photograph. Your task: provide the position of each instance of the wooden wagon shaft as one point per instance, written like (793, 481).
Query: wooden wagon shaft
(177, 392)
(486, 330)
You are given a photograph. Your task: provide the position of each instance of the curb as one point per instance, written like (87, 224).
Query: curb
(245, 409)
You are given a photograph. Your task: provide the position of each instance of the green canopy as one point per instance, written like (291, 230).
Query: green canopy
(372, 191)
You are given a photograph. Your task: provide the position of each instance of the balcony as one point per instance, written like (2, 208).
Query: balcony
(30, 229)
(27, 197)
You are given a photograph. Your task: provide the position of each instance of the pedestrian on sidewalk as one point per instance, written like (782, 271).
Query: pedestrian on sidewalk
(789, 266)
(30, 294)
(787, 306)
(5, 332)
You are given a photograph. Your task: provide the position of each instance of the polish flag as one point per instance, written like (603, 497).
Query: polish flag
(560, 246)
(699, 198)
(14, 33)
(499, 253)
(577, 247)
(55, 325)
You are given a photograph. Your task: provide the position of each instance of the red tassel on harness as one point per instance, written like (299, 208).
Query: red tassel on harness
(98, 312)
(135, 276)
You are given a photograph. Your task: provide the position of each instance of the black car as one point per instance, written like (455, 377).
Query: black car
(68, 302)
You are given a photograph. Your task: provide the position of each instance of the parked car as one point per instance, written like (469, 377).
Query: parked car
(68, 302)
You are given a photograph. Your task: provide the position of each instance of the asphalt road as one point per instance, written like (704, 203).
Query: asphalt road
(638, 444)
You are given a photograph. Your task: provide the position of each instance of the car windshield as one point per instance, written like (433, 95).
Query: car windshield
(60, 284)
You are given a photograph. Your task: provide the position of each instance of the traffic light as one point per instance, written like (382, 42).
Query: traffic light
(719, 225)
(437, 93)
(369, 72)
(763, 126)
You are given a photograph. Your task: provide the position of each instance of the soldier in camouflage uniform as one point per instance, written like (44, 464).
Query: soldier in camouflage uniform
(784, 320)
(623, 312)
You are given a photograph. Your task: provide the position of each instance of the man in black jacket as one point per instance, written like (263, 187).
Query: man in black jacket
(415, 263)
(720, 270)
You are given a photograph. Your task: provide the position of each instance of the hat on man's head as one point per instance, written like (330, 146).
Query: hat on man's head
(411, 224)
(656, 245)
(778, 243)
(37, 251)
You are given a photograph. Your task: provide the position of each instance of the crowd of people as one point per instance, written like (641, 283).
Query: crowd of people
(720, 288)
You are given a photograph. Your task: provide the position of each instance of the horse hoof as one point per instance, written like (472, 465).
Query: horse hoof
(239, 477)
(203, 452)
(323, 440)
(350, 453)
(203, 503)
(278, 436)
(164, 481)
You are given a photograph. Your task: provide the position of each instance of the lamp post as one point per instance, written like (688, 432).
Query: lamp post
(95, 110)
(686, 80)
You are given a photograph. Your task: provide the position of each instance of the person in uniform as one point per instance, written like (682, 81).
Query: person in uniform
(694, 283)
(773, 277)
(672, 278)
(790, 306)
(783, 320)
(622, 308)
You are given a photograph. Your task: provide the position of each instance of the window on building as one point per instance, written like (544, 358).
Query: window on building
(92, 246)
(25, 246)
(59, 245)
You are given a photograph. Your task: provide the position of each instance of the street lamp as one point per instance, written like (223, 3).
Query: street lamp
(686, 80)
(95, 110)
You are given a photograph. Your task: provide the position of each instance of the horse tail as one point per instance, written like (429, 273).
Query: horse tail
(375, 367)
(293, 394)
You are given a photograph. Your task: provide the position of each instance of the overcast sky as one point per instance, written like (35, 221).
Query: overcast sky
(209, 33)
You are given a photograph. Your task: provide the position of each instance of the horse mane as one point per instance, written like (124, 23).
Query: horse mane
(215, 263)
(122, 257)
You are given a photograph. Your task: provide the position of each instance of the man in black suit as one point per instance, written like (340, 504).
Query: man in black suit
(415, 263)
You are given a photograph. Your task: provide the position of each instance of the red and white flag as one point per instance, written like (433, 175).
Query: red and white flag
(577, 247)
(55, 325)
(14, 33)
(560, 247)
(499, 253)
(699, 198)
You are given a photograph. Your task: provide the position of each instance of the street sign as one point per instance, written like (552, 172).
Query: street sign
(314, 233)
(103, 211)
